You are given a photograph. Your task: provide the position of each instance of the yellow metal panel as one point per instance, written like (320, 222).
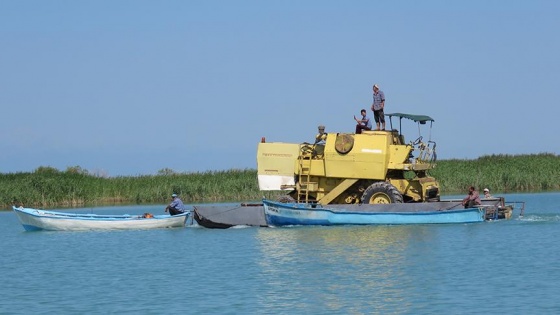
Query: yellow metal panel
(277, 158)
(399, 154)
(312, 186)
(367, 159)
(342, 187)
(317, 167)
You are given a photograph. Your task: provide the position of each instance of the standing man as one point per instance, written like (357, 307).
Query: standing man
(364, 123)
(377, 107)
(176, 206)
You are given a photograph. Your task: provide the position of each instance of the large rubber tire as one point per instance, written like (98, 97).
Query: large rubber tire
(381, 193)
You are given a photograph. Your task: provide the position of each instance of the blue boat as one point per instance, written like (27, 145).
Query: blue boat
(281, 214)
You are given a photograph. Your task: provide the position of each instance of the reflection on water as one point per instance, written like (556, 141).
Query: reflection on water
(366, 264)
(500, 267)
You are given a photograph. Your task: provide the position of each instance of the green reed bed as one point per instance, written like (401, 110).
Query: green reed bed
(500, 173)
(49, 187)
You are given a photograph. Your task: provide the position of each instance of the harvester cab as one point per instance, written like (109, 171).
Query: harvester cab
(425, 149)
(344, 168)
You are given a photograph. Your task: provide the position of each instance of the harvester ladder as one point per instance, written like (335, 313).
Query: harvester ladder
(304, 177)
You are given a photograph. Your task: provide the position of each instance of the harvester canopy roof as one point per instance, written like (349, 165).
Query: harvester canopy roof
(417, 118)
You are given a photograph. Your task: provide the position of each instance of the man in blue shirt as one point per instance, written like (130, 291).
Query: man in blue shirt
(377, 107)
(176, 206)
(364, 123)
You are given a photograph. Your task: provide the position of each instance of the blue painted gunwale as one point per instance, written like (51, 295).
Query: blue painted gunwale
(280, 214)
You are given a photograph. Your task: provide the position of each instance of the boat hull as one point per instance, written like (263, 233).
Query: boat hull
(281, 214)
(223, 217)
(37, 220)
(247, 214)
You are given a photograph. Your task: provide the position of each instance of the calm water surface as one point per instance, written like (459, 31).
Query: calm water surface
(507, 267)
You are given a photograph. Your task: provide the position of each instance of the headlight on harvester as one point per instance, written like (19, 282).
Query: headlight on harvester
(432, 192)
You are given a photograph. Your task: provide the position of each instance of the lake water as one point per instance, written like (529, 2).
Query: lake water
(504, 267)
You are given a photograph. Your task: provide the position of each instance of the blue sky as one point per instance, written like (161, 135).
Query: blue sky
(133, 87)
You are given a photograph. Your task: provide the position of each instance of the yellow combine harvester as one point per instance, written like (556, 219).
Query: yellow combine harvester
(371, 168)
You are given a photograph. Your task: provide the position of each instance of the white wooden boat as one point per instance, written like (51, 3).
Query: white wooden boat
(36, 220)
